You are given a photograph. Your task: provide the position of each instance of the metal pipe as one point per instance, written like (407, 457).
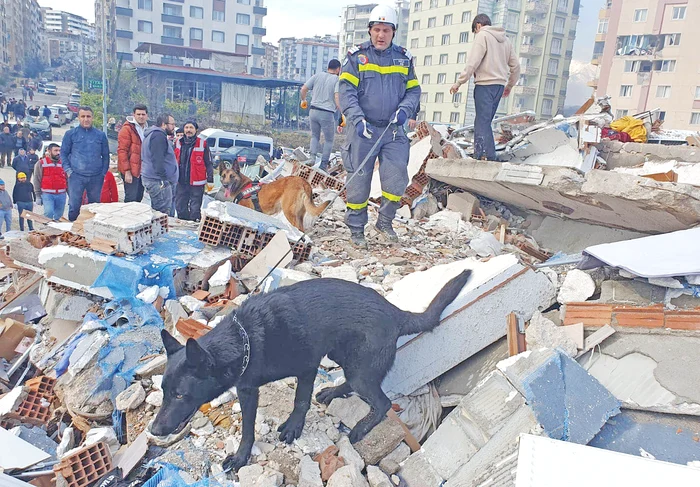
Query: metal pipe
(104, 67)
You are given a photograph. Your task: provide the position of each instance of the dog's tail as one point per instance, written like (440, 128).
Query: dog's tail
(430, 318)
(310, 207)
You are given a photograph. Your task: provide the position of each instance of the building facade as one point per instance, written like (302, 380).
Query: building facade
(271, 60)
(542, 34)
(355, 22)
(299, 59)
(221, 26)
(69, 38)
(649, 60)
(23, 39)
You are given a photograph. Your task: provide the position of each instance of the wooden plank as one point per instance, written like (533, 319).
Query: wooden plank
(409, 439)
(596, 339)
(682, 320)
(590, 314)
(35, 217)
(584, 108)
(512, 334)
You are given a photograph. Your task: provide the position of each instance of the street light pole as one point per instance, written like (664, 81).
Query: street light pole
(82, 64)
(104, 67)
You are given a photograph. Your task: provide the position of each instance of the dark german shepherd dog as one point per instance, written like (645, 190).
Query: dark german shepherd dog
(286, 333)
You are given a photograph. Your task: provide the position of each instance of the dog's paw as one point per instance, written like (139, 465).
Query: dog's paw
(291, 429)
(357, 433)
(235, 462)
(326, 396)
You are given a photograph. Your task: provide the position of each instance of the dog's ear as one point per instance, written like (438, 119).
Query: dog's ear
(170, 343)
(196, 355)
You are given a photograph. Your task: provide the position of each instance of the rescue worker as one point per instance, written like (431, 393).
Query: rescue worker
(195, 171)
(378, 92)
(50, 183)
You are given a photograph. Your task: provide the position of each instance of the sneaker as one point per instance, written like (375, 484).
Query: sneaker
(385, 228)
(358, 240)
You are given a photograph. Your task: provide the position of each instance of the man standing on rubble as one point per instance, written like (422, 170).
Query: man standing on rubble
(495, 67)
(159, 171)
(322, 113)
(50, 183)
(85, 157)
(196, 170)
(378, 92)
(131, 138)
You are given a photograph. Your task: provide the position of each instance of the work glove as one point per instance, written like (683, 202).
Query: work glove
(363, 129)
(304, 104)
(209, 187)
(342, 121)
(400, 117)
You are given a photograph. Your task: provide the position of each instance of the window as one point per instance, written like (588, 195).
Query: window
(550, 86)
(563, 4)
(444, 58)
(437, 116)
(414, 43)
(603, 26)
(445, 39)
(697, 92)
(454, 117)
(245, 2)
(456, 77)
(425, 79)
(169, 9)
(418, 6)
(428, 61)
(350, 26)
(663, 92)
(662, 116)
(242, 40)
(679, 13)
(146, 5)
(351, 12)
(626, 91)
(433, 3)
(673, 39)
(170, 31)
(553, 67)
(667, 66)
(243, 19)
(555, 48)
(466, 17)
(695, 118)
(449, 2)
(441, 78)
(631, 66)
(447, 20)
(218, 36)
(196, 12)
(463, 37)
(640, 15)
(547, 105)
(439, 97)
(145, 26)
(429, 41)
(431, 22)
(461, 58)
(416, 25)
(196, 34)
(457, 98)
(218, 15)
(424, 97)
(559, 25)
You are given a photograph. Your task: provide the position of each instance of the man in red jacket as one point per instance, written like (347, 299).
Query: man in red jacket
(50, 183)
(130, 139)
(196, 171)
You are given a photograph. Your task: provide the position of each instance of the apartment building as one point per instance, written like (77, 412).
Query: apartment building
(69, 37)
(5, 58)
(542, 34)
(233, 27)
(66, 22)
(649, 60)
(355, 20)
(299, 59)
(271, 60)
(22, 31)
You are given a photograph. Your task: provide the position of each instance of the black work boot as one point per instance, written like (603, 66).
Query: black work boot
(385, 228)
(357, 238)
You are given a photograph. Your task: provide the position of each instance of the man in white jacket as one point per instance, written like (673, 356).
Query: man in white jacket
(495, 67)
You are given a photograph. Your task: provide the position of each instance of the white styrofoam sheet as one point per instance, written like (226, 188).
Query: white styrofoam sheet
(17, 453)
(544, 462)
(667, 255)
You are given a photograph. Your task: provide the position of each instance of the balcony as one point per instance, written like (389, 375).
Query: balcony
(593, 83)
(126, 12)
(597, 58)
(125, 34)
(530, 71)
(536, 7)
(562, 8)
(172, 19)
(259, 51)
(260, 10)
(529, 50)
(533, 28)
(125, 56)
(259, 31)
(524, 90)
(257, 71)
(172, 41)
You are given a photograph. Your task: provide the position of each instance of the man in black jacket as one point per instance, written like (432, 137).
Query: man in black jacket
(159, 170)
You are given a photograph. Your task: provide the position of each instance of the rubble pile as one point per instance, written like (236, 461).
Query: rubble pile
(585, 292)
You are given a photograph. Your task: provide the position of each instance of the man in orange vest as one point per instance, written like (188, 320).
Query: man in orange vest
(50, 183)
(196, 171)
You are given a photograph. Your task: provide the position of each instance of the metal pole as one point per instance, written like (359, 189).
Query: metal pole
(104, 67)
(82, 67)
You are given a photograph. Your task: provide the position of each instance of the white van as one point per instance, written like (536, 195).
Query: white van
(220, 140)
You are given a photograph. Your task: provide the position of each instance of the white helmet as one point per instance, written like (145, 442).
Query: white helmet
(384, 14)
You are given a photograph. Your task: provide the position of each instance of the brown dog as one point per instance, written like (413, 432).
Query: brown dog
(290, 195)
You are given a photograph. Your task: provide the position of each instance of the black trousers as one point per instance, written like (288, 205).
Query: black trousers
(188, 202)
(133, 191)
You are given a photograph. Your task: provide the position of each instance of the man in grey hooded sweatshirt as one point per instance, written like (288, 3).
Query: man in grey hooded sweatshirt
(495, 67)
(159, 171)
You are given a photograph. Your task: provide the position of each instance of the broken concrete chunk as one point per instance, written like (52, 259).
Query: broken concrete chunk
(345, 272)
(312, 442)
(347, 476)
(391, 463)
(258, 476)
(155, 398)
(131, 398)
(348, 410)
(578, 287)
(309, 473)
(464, 203)
(486, 245)
(543, 333)
(154, 366)
(382, 440)
(349, 453)
(106, 434)
(86, 351)
(377, 478)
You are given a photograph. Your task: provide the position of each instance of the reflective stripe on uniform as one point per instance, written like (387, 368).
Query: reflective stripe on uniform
(383, 69)
(391, 197)
(357, 206)
(198, 149)
(411, 83)
(353, 80)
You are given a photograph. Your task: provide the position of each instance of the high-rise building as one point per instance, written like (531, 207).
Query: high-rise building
(5, 58)
(271, 60)
(22, 34)
(355, 24)
(299, 59)
(649, 60)
(66, 22)
(69, 37)
(219, 27)
(542, 34)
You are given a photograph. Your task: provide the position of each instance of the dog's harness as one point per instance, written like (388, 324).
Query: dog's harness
(250, 191)
(246, 344)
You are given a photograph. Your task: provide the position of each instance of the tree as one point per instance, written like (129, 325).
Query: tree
(34, 68)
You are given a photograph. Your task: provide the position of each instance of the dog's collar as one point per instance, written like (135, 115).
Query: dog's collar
(246, 344)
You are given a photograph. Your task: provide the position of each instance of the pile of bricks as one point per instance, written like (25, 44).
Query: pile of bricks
(318, 179)
(654, 316)
(85, 466)
(36, 407)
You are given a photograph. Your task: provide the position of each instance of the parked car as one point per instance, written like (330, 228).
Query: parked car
(73, 106)
(75, 98)
(41, 87)
(41, 126)
(50, 89)
(45, 146)
(246, 157)
(58, 116)
(69, 113)
(44, 80)
(31, 85)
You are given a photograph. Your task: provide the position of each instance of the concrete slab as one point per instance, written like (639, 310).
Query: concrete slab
(600, 198)
(570, 236)
(631, 292)
(461, 379)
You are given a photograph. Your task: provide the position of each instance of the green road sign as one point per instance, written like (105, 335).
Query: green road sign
(95, 84)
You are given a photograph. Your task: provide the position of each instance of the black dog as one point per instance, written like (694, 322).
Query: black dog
(286, 333)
